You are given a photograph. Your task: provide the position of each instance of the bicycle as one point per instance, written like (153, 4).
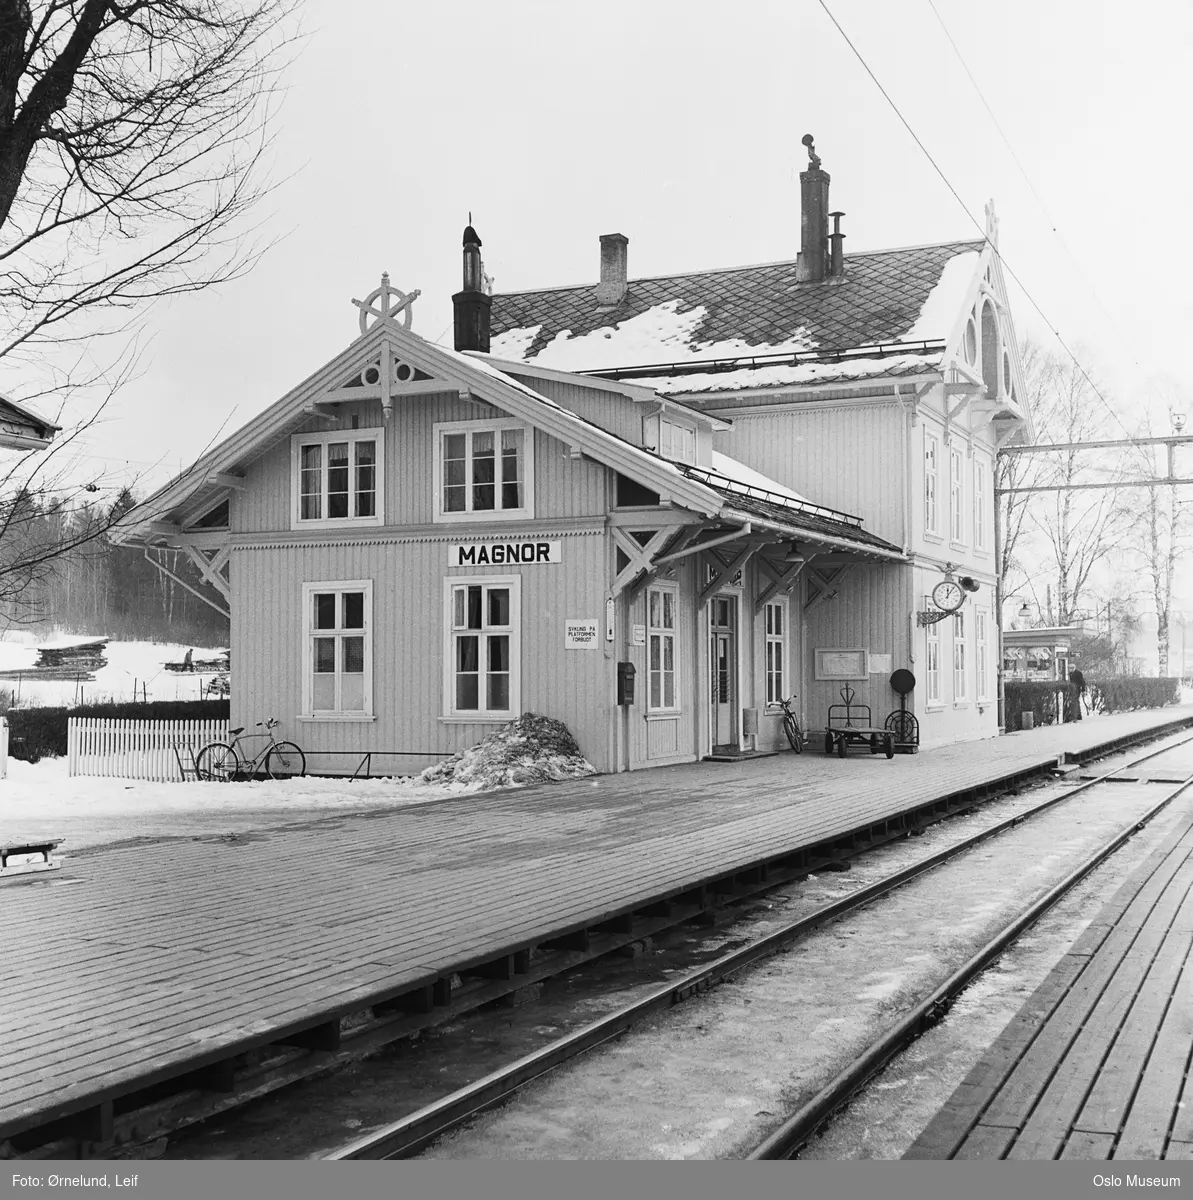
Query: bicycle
(795, 735)
(223, 761)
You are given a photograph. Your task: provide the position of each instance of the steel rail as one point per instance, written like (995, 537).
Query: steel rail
(405, 1137)
(795, 1132)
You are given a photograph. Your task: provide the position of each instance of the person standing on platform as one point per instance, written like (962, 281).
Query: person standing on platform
(1077, 684)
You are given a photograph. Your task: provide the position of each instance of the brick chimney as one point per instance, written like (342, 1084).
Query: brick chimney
(614, 266)
(472, 305)
(813, 262)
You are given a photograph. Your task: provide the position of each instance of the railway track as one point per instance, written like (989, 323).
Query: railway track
(412, 1133)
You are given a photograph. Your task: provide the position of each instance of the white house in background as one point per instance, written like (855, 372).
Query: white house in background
(751, 490)
(22, 429)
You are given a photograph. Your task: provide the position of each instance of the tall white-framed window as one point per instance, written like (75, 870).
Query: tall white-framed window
(337, 676)
(337, 479)
(981, 653)
(483, 470)
(957, 494)
(677, 442)
(662, 619)
(931, 480)
(960, 665)
(776, 635)
(979, 504)
(482, 658)
(932, 658)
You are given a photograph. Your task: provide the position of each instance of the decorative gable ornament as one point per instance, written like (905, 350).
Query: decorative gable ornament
(379, 304)
(369, 376)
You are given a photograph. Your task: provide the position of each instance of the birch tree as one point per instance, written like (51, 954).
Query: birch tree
(1085, 519)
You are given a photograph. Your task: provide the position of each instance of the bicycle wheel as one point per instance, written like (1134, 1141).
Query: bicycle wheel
(791, 728)
(217, 762)
(284, 761)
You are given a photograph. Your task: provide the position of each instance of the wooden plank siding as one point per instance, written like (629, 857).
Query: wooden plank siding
(871, 612)
(941, 546)
(563, 486)
(610, 410)
(407, 560)
(848, 457)
(409, 643)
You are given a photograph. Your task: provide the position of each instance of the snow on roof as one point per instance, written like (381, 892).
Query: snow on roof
(944, 301)
(738, 472)
(734, 312)
(793, 374)
(660, 334)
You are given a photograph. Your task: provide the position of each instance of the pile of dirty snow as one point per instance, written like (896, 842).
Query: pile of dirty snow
(532, 749)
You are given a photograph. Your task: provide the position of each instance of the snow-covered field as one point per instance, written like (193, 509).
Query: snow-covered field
(131, 665)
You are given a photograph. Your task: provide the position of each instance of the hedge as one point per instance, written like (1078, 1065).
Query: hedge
(1116, 694)
(36, 733)
(1111, 694)
(1032, 696)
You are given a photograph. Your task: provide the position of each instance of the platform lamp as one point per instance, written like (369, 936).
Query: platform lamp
(795, 555)
(1025, 612)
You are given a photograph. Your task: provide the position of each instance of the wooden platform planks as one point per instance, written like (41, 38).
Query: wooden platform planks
(1093, 1066)
(164, 957)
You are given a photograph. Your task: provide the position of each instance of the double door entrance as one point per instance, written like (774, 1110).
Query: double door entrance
(722, 669)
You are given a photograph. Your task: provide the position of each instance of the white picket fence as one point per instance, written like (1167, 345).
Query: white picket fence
(136, 749)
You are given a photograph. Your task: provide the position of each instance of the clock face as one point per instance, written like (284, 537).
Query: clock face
(948, 596)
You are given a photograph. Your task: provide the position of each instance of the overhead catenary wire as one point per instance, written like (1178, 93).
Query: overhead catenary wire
(1052, 224)
(965, 208)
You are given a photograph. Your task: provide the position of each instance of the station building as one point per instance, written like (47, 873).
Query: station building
(650, 508)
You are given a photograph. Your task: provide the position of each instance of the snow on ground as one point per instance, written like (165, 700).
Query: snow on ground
(130, 664)
(42, 800)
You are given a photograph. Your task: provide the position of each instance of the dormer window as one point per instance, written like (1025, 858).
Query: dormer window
(337, 478)
(484, 470)
(677, 442)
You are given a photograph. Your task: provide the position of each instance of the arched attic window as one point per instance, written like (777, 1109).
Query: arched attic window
(990, 349)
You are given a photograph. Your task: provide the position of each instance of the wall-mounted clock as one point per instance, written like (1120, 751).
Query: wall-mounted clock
(948, 595)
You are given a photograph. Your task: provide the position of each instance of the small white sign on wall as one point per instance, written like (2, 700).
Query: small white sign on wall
(880, 664)
(581, 634)
(639, 635)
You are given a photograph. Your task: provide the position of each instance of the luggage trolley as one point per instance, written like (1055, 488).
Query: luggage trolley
(849, 722)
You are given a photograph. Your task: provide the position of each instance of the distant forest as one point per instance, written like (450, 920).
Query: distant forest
(107, 590)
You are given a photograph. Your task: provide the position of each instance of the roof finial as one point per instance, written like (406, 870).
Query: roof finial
(813, 157)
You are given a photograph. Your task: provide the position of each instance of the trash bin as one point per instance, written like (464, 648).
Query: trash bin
(1027, 720)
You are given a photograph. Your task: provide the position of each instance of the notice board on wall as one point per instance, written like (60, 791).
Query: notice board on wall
(842, 664)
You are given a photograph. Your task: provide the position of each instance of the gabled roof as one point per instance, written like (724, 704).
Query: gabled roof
(23, 429)
(883, 297)
(160, 518)
(207, 480)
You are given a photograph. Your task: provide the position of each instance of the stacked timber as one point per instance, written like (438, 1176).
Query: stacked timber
(67, 658)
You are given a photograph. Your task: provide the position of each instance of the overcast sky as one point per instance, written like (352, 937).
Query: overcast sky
(679, 125)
